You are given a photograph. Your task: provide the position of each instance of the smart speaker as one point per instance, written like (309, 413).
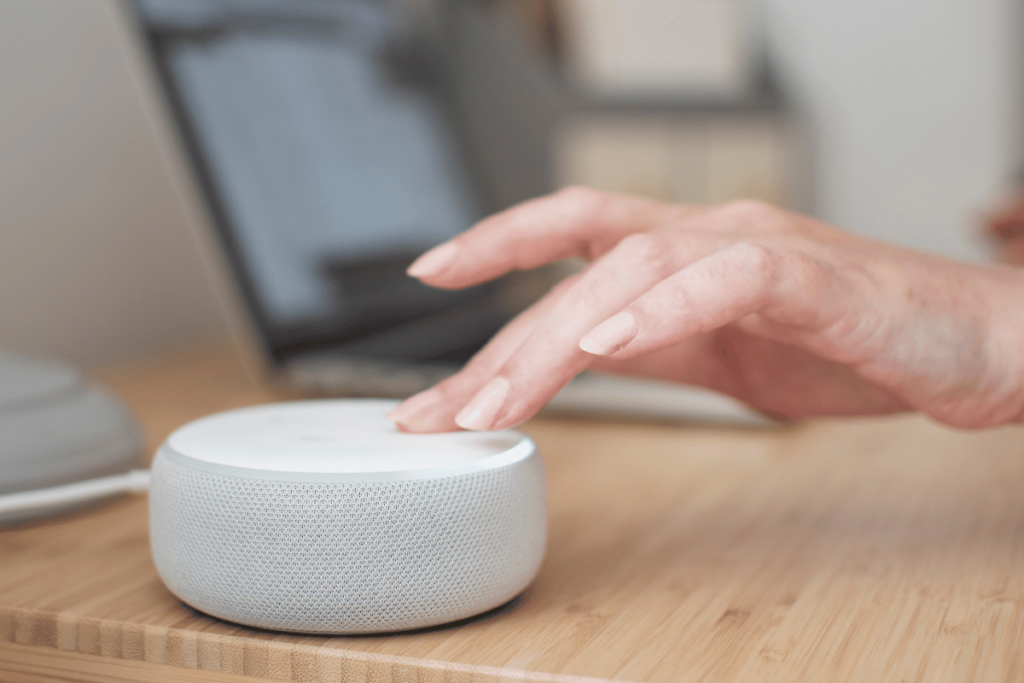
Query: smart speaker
(321, 517)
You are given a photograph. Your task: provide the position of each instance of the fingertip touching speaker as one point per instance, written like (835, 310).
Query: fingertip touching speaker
(321, 517)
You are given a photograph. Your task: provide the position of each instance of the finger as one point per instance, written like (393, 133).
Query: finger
(573, 222)
(550, 356)
(720, 289)
(434, 410)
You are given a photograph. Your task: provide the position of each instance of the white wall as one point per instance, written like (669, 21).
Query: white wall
(95, 263)
(915, 110)
(913, 105)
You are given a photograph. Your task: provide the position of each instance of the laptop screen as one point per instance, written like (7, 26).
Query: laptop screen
(328, 144)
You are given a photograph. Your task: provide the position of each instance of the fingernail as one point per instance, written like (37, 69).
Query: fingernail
(434, 261)
(420, 413)
(611, 335)
(482, 410)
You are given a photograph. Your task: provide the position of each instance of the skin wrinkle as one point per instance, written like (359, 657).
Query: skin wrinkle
(1006, 341)
(899, 356)
(914, 361)
(857, 326)
(825, 327)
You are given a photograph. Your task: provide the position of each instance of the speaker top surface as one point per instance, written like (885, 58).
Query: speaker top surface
(334, 440)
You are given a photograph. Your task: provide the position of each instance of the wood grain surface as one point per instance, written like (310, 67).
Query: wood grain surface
(859, 550)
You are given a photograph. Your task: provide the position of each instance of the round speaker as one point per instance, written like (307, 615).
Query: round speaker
(321, 517)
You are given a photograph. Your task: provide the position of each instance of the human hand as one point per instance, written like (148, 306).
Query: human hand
(786, 313)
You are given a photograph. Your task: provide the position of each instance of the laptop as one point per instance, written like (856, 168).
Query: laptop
(319, 146)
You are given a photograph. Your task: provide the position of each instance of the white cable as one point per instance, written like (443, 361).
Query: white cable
(133, 481)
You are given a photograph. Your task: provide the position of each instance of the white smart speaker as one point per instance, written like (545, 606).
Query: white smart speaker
(321, 517)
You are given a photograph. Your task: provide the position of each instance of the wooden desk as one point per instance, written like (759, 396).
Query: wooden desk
(875, 550)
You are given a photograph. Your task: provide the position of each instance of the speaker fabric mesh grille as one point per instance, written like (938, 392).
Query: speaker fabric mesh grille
(347, 557)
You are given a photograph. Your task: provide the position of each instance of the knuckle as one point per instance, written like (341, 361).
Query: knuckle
(582, 198)
(643, 249)
(751, 208)
(795, 286)
(756, 257)
(756, 215)
(807, 274)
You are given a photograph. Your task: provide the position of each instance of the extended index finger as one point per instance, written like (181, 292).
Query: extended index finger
(576, 221)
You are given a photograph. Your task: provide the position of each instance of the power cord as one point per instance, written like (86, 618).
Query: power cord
(133, 481)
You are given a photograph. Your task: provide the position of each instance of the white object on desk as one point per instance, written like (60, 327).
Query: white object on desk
(320, 517)
(56, 429)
